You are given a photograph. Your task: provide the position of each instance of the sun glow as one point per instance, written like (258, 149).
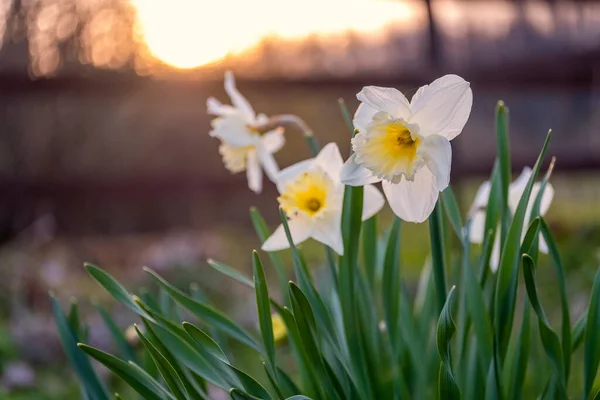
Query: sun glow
(191, 33)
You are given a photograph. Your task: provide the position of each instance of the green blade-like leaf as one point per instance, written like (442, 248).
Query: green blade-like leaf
(578, 332)
(141, 382)
(251, 385)
(507, 276)
(125, 349)
(117, 290)
(205, 342)
(517, 360)
(237, 394)
(437, 255)
(165, 368)
(549, 338)
(263, 232)
(207, 313)
(591, 343)
(264, 309)
(447, 387)
(231, 272)
(452, 211)
(88, 378)
(369, 241)
(562, 291)
(390, 285)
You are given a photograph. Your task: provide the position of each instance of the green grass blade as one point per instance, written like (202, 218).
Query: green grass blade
(252, 387)
(549, 338)
(591, 342)
(231, 272)
(207, 313)
(263, 232)
(507, 276)
(165, 368)
(206, 343)
(88, 378)
(346, 116)
(237, 394)
(503, 145)
(578, 332)
(369, 242)
(125, 349)
(447, 387)
(390, 284)
(562, 291)
(264, 310)
(452, 211)
(117, 290)
(141, 382)
(437, 255)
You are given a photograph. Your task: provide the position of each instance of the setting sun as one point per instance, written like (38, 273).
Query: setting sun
(191, 33)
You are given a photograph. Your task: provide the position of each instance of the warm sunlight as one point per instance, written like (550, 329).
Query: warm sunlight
(191, 33)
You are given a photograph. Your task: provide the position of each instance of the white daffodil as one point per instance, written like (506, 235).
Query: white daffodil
(515, 191)
(407, 145)
(311, 195)
(243, 147)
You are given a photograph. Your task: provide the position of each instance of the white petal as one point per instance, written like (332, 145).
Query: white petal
(353, 174)
(363, 116)
(443, 107)
(412, 201)
(290, 173)
(268, 162)
(495, 256)
(516, 189)
(389, 100)
(299, 230)
(481, 198)
(273, 140)
(477, 229)
(437, 153)
(328, 231)
(215, 107)
(254, 172)
(237, 99)
(372, 203)
(232, 130)
(330, 160)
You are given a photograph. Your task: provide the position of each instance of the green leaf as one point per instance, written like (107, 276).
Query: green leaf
(206, 343)
(125, 349)
(562, 291)
(592, 344)
(117, 290)
(452, 211)
(437, 255)
(237, 394)
(518, 358)
(207, 313)
(346, 116)
(369, 241)
(165, 368)
(141, 382)
(390, 285)
(88, 378)
(191, 386)
(475, 304)
(231, 272)
(264, 309)
(507, 276)
(447, 387)
(502, 143)
(578, 332)
(549, 338)
(251, 385)
(263, 232)
(306, 323)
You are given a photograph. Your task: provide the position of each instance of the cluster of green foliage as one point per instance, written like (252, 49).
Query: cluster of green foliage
(361, 335)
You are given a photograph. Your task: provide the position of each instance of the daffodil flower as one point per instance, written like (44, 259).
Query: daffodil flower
(515, 191)
(243, 147)
(406, 145)
(311, 195)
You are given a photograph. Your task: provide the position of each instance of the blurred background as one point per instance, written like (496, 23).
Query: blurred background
(105, 155)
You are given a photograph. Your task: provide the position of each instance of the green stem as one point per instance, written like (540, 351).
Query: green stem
(437, 256)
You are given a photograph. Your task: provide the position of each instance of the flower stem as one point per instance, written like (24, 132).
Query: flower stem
(437, 255)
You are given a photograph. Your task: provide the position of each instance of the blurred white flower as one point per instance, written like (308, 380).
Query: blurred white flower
(407, 145)
(243, 147)
(312, 197)
(515, 191)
